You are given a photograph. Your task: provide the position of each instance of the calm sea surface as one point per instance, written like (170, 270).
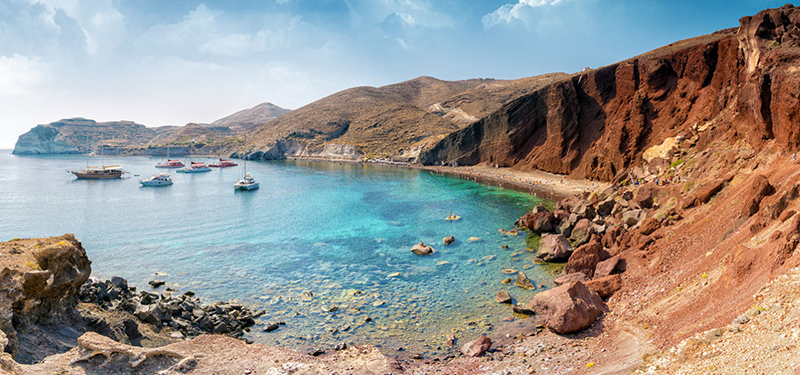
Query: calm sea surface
(315, 237)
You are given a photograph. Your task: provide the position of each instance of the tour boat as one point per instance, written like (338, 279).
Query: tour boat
(246, 183)
(99, 173)
(223, 163)
(157, 180)
(103, 172)
(170, 164)
(195, 168)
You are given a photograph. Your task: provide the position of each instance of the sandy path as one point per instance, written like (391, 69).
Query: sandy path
(549, 185)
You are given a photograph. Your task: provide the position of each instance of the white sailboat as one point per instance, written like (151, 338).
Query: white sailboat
(194, 167)
(247, 182)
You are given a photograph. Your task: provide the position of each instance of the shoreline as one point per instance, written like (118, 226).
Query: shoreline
(542, 184)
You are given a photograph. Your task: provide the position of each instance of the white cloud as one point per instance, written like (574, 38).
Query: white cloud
(521, 12)
(100, 22)
(403, 44)
(19, 74)
(211, 32)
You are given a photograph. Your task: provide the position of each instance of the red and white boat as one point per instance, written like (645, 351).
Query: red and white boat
(170, 164)
(223, 163)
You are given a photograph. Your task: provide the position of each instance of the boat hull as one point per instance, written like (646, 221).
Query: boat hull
(246, 187)
(89, 176)
(194, 170)
(155, 183)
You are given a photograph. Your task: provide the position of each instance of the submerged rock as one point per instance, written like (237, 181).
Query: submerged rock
(523, 281)
(477, 347)
(503, 296)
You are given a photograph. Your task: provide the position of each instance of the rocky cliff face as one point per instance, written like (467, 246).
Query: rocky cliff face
(739, 84)
(39, 282)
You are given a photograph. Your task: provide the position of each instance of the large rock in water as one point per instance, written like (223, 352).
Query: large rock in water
(422, 249)
(554, 248)
(569, 308)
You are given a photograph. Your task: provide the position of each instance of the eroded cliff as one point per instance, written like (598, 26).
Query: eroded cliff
(742, 84)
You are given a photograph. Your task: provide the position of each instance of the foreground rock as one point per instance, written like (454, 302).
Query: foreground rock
(477, 347)
(569, 308)
(183, 313)
(554, 248)
(39, 282)
(208, 354)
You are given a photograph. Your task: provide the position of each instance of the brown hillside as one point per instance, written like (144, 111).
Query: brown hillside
(246, 119)
(388, 120)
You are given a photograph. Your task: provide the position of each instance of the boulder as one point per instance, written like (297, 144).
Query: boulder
(649, 225)
(605, 207)
(554, 248)
(570, 277)
(582, 232)
(569, 308)
(448, 240)
(477, 347)
(585, 258)
(523, 281)
(609, 266)
(503, 296)
(156, 283)
(705, 193)
(611, 238)
(422, 249)
(633, 217)
(522, 309)
(540, 222)
(539, 208)
(759, 187)
(606, 286)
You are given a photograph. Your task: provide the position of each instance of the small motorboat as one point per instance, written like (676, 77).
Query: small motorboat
(246, 183)
(157, 180)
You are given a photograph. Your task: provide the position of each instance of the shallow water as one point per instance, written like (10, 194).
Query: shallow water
(315, 237)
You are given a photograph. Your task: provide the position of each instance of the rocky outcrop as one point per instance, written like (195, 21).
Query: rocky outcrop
(40, 279)
(569, 308)
(184, 313)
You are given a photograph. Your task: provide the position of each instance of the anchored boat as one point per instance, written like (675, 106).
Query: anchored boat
(157, 180)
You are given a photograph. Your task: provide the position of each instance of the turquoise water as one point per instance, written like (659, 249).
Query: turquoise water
(315, 237)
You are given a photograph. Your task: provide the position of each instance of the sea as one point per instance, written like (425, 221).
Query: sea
(322, 247)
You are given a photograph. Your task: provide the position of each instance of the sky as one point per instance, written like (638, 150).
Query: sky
(171, 62)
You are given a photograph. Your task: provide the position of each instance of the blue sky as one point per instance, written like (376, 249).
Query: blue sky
(172, 62)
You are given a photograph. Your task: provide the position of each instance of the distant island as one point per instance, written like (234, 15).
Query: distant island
(80, 135)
